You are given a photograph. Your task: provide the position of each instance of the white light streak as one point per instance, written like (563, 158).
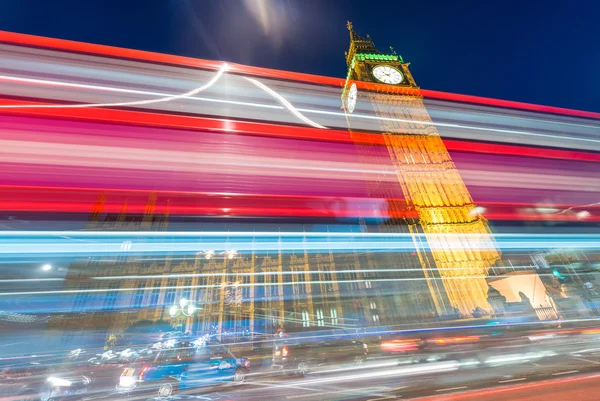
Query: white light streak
(285, 103)
(210, 83)
(295, 111)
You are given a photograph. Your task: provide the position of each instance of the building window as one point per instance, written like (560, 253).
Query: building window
(138, 297)
(305, 318)
(375, 318)
(245, 287)
(187, 289)
(171, 291)
(373, 305)
(334, 316)
(82, 298)
(320, 317)
(352, 281)
(367, 284)
(155, 294)
(328, 276)
(111, 296)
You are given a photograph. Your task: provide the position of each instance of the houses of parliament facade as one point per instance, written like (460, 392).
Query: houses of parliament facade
(262, 292)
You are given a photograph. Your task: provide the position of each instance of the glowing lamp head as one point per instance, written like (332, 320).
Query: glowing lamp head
(173, 311)
(47, 267)
(183, 302)
(191, 309)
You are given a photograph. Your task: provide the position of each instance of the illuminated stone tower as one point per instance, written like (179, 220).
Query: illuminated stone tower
(453, 241)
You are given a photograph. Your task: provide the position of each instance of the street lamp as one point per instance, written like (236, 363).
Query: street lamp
(184, 307)
(183, 310)
(47, 267)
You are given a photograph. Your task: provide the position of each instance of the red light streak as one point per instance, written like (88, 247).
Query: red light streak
(481, 394)
(140, 118)
(52, 199)
(109, 51)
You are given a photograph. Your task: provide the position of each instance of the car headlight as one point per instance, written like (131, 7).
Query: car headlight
(58, 382)
(127, 381)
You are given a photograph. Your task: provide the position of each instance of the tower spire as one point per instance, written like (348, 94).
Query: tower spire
(358, 44)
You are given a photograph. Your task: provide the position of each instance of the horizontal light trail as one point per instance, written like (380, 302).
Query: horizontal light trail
(270, 130)
(240, 285)
(130, 54)
(163, 96)
(82, 200)
(295, 111)
(169, 98)
(258, 234)
(109, 243)
(337, 272)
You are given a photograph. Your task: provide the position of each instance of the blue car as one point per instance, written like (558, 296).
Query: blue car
(182, 365)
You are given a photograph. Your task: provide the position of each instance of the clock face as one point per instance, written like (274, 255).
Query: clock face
(352, 95)
(387, 74)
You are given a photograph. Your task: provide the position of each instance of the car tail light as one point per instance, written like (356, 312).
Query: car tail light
(143, 372)
(284, 351)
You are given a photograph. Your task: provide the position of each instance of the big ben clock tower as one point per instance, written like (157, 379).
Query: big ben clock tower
(453, 241)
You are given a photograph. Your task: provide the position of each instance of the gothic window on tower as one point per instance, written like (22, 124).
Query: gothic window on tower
(368, 284)
(375, 318)
(320, 317)
(305, 318)
(333, 315)
(373, 305)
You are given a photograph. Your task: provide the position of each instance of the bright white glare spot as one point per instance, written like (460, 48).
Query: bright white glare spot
(583, 215)
(183, 302)
(58, 382)
(208, 254)
(191, 309)
(173, 311)
(231, 254)
(477, 210)
(47, 267)
(546, 210)
(127, 381)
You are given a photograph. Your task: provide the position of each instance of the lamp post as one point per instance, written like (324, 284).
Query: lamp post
(183, 310)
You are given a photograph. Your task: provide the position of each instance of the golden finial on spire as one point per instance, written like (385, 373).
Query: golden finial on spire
(349, 25)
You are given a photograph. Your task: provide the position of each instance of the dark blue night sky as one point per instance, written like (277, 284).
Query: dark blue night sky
(533, 51)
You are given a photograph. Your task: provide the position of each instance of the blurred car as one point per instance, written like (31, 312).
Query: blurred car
(300, 355)
(180, 365)
(35, 378)
(410, 349)
(104, 370)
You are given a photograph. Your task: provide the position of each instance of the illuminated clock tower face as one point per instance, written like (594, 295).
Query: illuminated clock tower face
(387, 75)
(352, 95)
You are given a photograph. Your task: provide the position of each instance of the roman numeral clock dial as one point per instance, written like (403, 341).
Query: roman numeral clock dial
(387, 75)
